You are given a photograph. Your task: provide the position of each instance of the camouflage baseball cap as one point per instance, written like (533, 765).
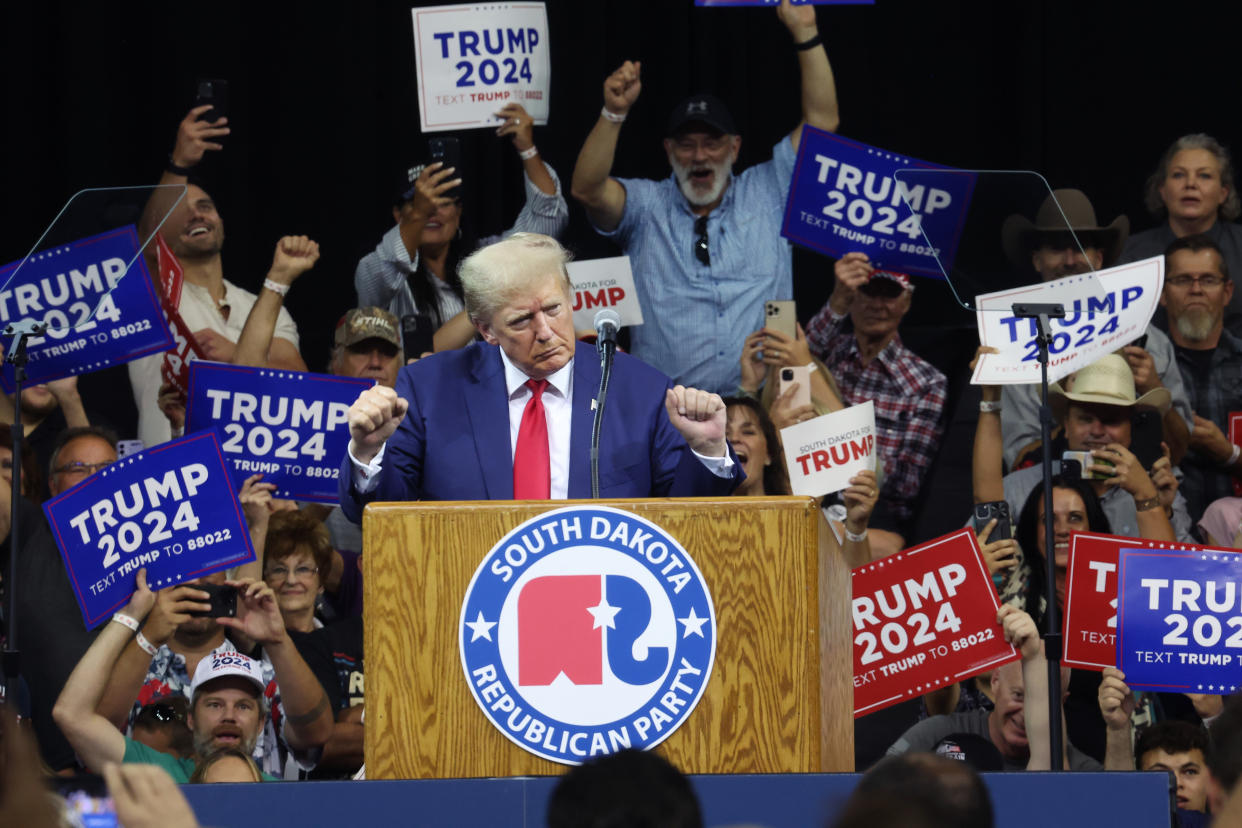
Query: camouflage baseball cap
(368, 323)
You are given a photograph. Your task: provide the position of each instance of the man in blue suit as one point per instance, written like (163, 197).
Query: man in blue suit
(453, 425)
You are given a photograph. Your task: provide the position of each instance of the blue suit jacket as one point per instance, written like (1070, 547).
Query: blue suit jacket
(454, 442)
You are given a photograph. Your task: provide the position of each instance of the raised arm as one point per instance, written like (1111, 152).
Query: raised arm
(1020, 631)
(521, 127)
(194, 138)
(170, 608)
(308, 713)
(988, 459)
(257, 344)
(93, 737)
(593, 185)
(819, 88)
(1116, 705)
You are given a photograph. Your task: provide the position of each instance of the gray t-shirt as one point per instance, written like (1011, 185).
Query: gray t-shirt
(924, 736)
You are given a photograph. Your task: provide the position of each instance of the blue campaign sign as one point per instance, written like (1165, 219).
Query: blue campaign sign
(292, 427)
(171, 509)
(1179, 620)
(63, 285)
(843, 198)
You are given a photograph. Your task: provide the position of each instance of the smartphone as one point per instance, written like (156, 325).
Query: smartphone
(801, 375)
(1076, 464)
(781, 315)
(85, 798)
(998, 510)
(447, 150)
(1141, 342)
(1146, 432)
(223, 600)
(124, 448)
(214, 93)
(416, 335)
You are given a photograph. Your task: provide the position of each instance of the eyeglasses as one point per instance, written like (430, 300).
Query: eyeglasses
(701, 251)
(1207, 280)
(78, 467)
(281, 573)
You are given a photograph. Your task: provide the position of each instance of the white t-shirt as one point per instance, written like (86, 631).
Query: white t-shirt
(198, 311)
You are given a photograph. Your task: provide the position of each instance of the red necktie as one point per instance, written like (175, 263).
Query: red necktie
(532, 468)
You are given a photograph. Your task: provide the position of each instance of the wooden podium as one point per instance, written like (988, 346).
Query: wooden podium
(780, 698)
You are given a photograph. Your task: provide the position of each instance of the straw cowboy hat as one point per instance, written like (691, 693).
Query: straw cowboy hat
(1020, 236)
(1107, 381)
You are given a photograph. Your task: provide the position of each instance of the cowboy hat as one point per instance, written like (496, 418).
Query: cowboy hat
(1107, 381)
(1020, 236)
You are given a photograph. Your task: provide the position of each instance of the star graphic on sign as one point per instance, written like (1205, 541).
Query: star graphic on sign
(604, 613)
(693, 624)
(480, 628)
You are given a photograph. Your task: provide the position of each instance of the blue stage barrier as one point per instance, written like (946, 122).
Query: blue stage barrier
(1036, 800)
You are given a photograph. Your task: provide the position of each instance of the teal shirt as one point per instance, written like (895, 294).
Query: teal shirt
(179, 769)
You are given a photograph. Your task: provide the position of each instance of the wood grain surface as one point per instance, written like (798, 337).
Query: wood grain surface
(780, 697)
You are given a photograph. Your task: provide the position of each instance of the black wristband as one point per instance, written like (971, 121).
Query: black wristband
(808, 44)
(173, 168)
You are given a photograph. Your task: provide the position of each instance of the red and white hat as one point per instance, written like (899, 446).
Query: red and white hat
(900, 278)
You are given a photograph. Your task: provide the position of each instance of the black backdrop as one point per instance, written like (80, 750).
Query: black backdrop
(323, 111)
(323, 108)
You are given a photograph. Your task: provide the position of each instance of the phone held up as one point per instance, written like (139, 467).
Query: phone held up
(447, 150)
(993, 509)
(213, 93)
(800, 374)
(223, 600)
(1076, 465)
(781, 315)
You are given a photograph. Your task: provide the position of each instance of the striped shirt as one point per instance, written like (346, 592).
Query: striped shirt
(909, 396)
(695, 315)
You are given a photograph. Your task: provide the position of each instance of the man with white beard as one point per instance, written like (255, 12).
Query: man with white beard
(1197, 290)
(705, 245)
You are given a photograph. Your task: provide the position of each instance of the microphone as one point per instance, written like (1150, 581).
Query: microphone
(607, 323)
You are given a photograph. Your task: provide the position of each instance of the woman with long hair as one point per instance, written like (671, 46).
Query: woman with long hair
(413, 270)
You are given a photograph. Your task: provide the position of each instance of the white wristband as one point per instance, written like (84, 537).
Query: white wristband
(612, 116)
(126, 621)
(275, 287)
(528, 154)
(859, 538)
(146, 646)
(811, 367)
(990, 406)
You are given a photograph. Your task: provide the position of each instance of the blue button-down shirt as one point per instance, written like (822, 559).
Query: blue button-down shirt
(695, 316)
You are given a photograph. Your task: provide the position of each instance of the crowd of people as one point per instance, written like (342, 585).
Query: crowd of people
(277, 692)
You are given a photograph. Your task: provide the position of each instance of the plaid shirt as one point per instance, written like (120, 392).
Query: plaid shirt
(1213, 397)
(909, 396)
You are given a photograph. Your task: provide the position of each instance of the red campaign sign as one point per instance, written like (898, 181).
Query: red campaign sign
(175, 369)
(1235, 437)
(1089, 625)
(922, 619)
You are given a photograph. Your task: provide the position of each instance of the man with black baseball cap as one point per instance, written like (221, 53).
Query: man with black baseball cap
(705, 246)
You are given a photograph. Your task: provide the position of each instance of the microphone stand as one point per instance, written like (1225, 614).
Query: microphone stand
(607, 350)
(16, 355)
(1041, 313)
